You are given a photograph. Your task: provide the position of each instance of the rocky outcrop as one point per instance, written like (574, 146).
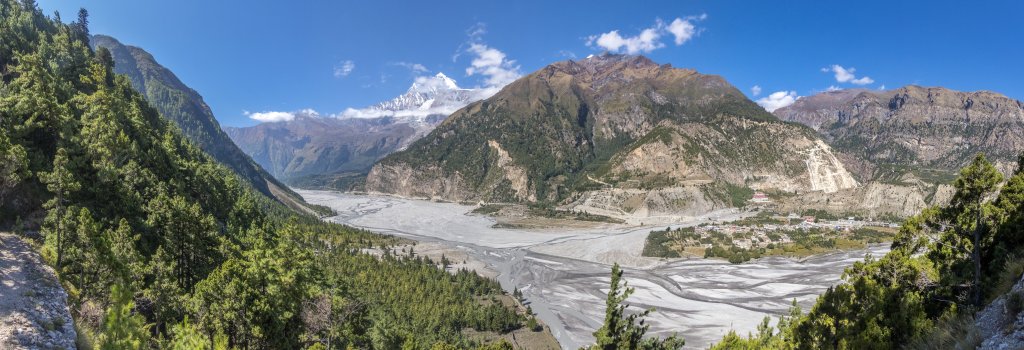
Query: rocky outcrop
(423, 183)
(1001, 324)
(636, 206)
(33, 307)
(826, 172)
(513, 173)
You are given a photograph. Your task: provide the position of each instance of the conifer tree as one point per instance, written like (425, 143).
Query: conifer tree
(61, 183)
(626, 331)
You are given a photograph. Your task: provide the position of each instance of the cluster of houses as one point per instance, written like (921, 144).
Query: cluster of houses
(760, 236)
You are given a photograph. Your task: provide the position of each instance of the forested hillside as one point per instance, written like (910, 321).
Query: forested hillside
(184, 107)
(946, 264)
(159, 246)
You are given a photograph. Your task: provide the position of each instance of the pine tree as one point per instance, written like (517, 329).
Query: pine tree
(122, 328)
(13, 165)
(61, 183)
(622, 330)
(976, 183)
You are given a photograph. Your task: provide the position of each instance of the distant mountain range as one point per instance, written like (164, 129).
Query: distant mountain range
(186, 108)
(623, 136)
(329, 151)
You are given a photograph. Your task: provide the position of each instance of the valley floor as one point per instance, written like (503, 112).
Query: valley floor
(564, 273)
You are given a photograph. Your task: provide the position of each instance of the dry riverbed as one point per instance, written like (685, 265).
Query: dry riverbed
(564, 273)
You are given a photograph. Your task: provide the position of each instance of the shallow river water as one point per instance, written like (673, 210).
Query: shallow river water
(564, 274)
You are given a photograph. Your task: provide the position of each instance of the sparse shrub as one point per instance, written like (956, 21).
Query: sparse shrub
(1008, 276)
(57, 322)
(1014, 303)
(956, 332)
(533, 325)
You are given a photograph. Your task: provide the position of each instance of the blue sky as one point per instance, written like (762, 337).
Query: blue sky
(332, 55)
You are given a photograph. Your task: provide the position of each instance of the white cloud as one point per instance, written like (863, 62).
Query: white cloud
(778, 100)
(379, 113)
(831, 88)
(682, 30)
(416, 68)
(490, 63)
(756, 90)
(882, 87)
(344, 68)
(271, 116)
(277, 116)
(647, 41)
(493, 64)
(862, 81)
(846, 75)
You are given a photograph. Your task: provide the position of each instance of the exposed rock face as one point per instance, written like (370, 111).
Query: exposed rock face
(998, 326)
(667, 140)
(33, 307)
(827, 173)
(514, 174)
(874, 199)
(425, 183)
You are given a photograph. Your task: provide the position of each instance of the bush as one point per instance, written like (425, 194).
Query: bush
(533, 325)
(1014, 302)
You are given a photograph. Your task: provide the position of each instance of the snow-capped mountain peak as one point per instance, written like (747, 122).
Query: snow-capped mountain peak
(433, 85)
(428, 95)
(448, 82)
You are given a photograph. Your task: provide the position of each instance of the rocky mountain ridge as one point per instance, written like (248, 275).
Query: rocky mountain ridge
(574, 132)
(884, 132)
(907, 143)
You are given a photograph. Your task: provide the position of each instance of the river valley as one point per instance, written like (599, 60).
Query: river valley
(564, 274)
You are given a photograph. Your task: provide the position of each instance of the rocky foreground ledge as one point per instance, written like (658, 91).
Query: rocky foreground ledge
(33, 307)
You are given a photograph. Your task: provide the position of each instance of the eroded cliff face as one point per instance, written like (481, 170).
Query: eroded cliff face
(826, 173)
(902, 198)
(424, 183)
(518, 182)
(638, 206)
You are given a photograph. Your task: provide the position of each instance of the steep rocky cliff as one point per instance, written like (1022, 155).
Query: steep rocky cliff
(604, 132)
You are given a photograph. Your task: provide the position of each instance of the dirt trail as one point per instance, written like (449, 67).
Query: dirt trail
(33, 307)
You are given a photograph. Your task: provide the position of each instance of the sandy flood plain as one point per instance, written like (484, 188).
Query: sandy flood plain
(564, 274)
